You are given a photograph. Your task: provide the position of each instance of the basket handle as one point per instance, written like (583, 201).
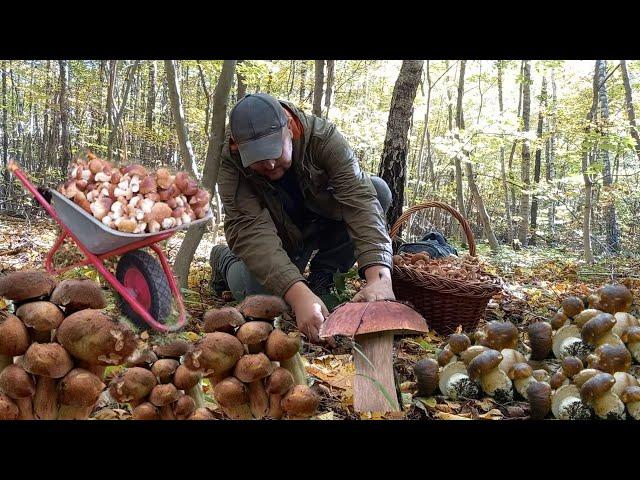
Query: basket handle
(421, 206)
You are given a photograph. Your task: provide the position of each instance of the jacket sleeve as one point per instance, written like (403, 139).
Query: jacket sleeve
(361, 210)
(252, 235)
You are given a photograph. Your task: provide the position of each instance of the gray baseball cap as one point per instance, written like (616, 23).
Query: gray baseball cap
(257, 121)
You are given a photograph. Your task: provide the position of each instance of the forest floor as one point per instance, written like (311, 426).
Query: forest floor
(535, 281)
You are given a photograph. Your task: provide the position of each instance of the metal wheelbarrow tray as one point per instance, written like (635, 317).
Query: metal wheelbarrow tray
(145, 287)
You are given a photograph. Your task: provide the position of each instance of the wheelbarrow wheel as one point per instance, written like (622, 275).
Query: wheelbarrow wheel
(143, 276)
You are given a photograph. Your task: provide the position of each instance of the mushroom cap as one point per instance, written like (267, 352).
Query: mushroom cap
(184, 407)
(281, 346)
(539, 395)
(498, 335)
(133, 384)
(300, 402)
(251, 333)
(253, 367)
(596, 386)
(559, 320)
(631, 394)
(484, 363)
(41, 316)
(611, 358)
(624, 321)
(262, 306)
(596, 327)
(174, 348)
(164, 368)
(561, 335)
(16, 382)
(540, 334)
(426, 372)
(541, 375)
(571, 306)
(47, 360)
(614, 298)
(145, 411)
(631, 335)
(280, 381)
(509, 358)
(580, 378)
(445, 356)
(558, 379)
(560, 395)
(231, 392)
(26, 284)
(360, 318)
(520, 370)
(80, 388)
(458, 342)
(201, 413)
(623, 380)
(471, 352)
(8, 408)
(14, 336)
(585, 315)
(76, 295)
(216, 352)
(184, 378)
(571, 366)
(222, 319)
(164, 394)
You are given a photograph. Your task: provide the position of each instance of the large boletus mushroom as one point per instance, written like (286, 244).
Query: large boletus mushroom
(94, 338)
(426, 372)
(540, 334)
(42, 316)
(14, 338)
(18, 384)
(262, 307)
(497, 335)
(539, 395)
(232, 395)
(222, 320)
(610, 358)
(566, 404)
(163, 396)
(597, 392)
(26, 285)
(164, 369)
(172, 348)
(215, 353)
(253, 367)
(300, 402)
(373, 325)
(132, 385)
(254, 335)
(494, 382)
(281, 346)
(201, 413)
(145, 411)
(8, 408)
(597, 331)
(78, 393)
(612, 298)
(76, 295)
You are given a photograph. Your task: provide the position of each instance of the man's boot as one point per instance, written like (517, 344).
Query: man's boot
(218, 283)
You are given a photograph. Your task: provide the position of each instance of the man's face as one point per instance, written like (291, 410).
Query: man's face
(274, 168)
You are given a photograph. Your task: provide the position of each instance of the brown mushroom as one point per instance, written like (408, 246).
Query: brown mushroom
(610, 358)
(559, 320)
(300, 402)
(624, 321)
(510, 357)
(426, 372)
(222, 320)
(572, 306)
(631, 337)
(141, 358)
(76, 295)
(164, 368)
(279, 382)
(446, 356)
(258, 399)
(172, 348)
(583, 375)
(571, 366)
(264, 307)
(454, 381)
(494, 381)
(631, 398)
(540, 334)
(623, 380)
(596, 392)
(458, 342)
(232, 395)
(132, 385)
(201, 413)
(163, 396)
(498, 335)
(78, 393)
(145, 411)
(14, 338)
(597, 331)
(612, 299)
(185, 379)
(26, 285)
(280, 346)
(522, 376)
(254, 335)
(184, 407)
(584, 316)
(558, 379)
(42, 316)
(8, 408)
(539, 395)
(18, 384)
(472, 352)
(216, 352)
(253, 367)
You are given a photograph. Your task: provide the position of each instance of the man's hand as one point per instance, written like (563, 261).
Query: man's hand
(309, 310)
(378, 285)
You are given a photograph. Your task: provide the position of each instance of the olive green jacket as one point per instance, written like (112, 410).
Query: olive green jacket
(259, 231)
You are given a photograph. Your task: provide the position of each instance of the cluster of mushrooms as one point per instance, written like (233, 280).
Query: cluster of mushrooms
(596, 332)
(55, 346)
(132, 199)
(465, 267)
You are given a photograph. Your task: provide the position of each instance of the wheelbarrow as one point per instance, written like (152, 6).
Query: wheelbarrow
(146, 287)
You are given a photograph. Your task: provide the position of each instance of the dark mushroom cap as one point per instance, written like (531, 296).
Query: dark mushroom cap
(133, 384)
(557, 379)
(580, 378)
(445, 356)
(281, 346)
(540, 334)
(41, 316)
(201, 413)
(539, 395)
(559, 320)
(632, 335)
(14, 336)
(596, 327)
(280, 381)
(571, 306)
(610, 358)
(93, 337)
(426, 372)
(251, 333)
(586, 315)
(222, 319)
(164, 368)
(484, 363)
(8, 408)
(300, 402)
(262, 306)
(26, 284)
(253, 367)
(230, 393)
(571, 366)
(184, 407)
(360, 318)
(471, 353)
(174, 348)
(47, 360)
(596, 386)
(76, 295)
(164, 394)
(520, 371)
(215, 352)
(614, 298)
(631, 394)
(459, 342)
(80, 388)
(184, 378)
(498, 335)
(16, 382)
(146, 411)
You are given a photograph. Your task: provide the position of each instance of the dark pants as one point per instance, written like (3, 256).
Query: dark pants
(328, 238)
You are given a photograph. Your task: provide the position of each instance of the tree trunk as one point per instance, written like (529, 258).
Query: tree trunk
(329, 88)
(550, 152)
(212, 163)
(113, 67)
(64, 116)
(303, 79)
(151, 96)
(317, 89)
(5, 130)
(526, 157)
(503, 171)
(628, 98)
(394, 154)
(241, 85)
(456, 159)
(538, 160)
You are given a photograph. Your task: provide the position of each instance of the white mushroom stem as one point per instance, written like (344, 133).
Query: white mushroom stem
(521, 385)
(608, 404)
(566, 406)
(197, 394)
(45, 400)
(455, 379)
(296, 368)
(610, 338)
(634, 348)
(634, 410)
(566, 344)
(494, 381)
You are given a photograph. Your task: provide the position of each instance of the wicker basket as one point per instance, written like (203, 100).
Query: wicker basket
(444, 302)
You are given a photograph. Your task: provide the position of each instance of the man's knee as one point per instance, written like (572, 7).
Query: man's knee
(383, 192)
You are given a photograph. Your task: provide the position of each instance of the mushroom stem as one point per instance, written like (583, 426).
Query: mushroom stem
(374, 388)
(197, 394)
(239, 412)
(258, 399)
(74, 412)
(38, 336)
(45, 400)
(275, 409)
(5, 361)
(296, 367)
(25, 407)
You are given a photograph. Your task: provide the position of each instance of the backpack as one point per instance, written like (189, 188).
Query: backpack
(432, 243)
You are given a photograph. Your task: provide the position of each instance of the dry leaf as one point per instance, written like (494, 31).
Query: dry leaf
(493, 414)
(450, 416)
